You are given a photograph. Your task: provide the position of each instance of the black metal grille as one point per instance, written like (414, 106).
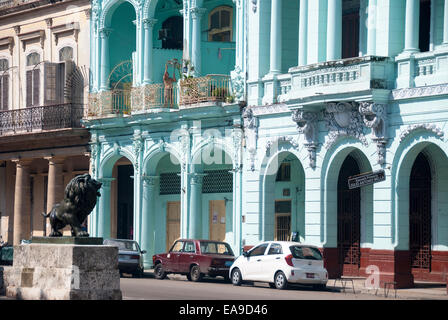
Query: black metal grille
(169, 183)
(40, 118)
(218, 181)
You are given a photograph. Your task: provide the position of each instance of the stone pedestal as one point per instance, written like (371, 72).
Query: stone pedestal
(43, 271)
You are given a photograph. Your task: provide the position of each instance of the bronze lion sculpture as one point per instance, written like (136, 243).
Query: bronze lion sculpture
(79, 200)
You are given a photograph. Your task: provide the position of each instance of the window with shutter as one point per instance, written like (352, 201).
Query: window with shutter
(32, 79)
(4, 93)
(4, 84)
(54, 83)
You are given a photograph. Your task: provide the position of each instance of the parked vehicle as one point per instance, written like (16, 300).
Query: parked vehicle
(195, 258)
(130, 257)
(280, 263)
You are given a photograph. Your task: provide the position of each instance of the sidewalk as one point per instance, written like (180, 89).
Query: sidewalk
(422, 290)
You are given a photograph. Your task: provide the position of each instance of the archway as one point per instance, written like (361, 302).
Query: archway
(283, 205)
(349, 219)
(420, 216)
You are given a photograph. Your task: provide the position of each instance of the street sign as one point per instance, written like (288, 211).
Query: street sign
(366, 179)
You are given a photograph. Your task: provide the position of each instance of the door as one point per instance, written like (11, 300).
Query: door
(350, 35)
(282, 220)
(251, 269)
(349, 216)
(420, 217)
(271, 262)
(172, 222)
(217, 220)
(187, 256)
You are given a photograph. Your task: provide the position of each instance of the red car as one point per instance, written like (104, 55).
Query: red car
(195, 258)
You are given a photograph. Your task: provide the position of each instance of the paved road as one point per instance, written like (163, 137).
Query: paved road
(179, 288)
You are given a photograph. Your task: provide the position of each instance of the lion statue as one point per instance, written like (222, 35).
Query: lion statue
(79, 200)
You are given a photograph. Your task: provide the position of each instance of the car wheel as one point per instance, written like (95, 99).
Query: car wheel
(237, 279)
(159, 273)
(138, 273)
(195, 274)
(280, 281)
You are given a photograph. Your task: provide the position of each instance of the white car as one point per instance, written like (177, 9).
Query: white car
(280, 263)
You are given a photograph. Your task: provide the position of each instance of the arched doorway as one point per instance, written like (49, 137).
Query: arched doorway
(420, 216)
(349, 219)
(283, 204)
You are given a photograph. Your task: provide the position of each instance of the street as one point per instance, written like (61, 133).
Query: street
(179, 288)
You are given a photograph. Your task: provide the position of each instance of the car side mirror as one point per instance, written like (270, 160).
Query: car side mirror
(143, 251)
(245, 253)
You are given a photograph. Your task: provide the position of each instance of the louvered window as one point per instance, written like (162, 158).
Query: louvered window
(54, 83)
(4, 84)
(32, 79)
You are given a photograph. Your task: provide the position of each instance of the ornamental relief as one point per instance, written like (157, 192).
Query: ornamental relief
(343, 120)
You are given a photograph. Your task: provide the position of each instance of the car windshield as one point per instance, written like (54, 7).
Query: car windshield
(122, 245)
(310, 253)
(216, 248)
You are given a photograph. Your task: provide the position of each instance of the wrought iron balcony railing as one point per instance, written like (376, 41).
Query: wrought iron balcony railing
(211, 88)
(37, 119)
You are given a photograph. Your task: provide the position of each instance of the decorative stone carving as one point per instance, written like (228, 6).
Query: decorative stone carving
(375, 118)
(422, 126)
(251, 134)
(237, 137)
(138, 147)
(237, 77)
(307, 125)
(288, 139)
(254, 6)
(343, 119)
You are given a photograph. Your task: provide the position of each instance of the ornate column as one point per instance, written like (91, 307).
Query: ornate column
(104, 65)
(148, 217)
(56, 186)
(334, 30)
(22, 203)
(196, 14)
(195, 222)
(148, 25)
(445, 24)
(412, 20)
(275, 66)
(103, 219)
(303, 32)
(371, 28)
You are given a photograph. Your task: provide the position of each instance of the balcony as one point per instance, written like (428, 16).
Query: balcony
(342, 76)
(422, 69)
(208, 89)
(187, 93)
(42, 118)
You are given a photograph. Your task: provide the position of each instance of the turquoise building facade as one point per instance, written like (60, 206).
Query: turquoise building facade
(276, 105)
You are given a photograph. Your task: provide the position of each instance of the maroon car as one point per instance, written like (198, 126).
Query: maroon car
(195, 258)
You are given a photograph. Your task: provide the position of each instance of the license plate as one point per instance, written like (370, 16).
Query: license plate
(310, 275)
(228, 263)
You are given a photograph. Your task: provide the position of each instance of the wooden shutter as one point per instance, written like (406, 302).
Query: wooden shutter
(5, 92)
(50, 70)
(29, 88)
(60, 84)
(36, 87)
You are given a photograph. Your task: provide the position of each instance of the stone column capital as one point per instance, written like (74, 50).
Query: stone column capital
(105, 33)
(149, 23)
(22, 162)
(197, 178)
(106, 182)
(150, 181)
(197, 13)
(55, 160)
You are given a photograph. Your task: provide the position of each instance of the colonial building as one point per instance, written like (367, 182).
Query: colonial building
(44, 79)
(244, 120)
